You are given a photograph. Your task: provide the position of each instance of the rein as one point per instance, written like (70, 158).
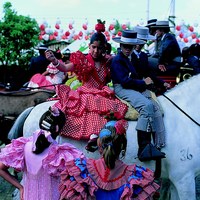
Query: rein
(41, 86)
(26, 87)
(181, 110)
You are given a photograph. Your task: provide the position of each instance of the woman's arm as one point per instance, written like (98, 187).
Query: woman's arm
(4, 173)
(45, 73)
(60, 65)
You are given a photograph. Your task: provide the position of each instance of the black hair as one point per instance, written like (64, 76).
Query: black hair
(152, 30)
(42, 52)
(108, 48)
(194, 49)
(54, 121)
(164, 29)
(57, 53)
(98, 37)
(41, 144)
(185, 53)
(66, 55)
(113, 145)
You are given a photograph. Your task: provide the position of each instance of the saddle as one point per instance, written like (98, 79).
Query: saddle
(132, 114)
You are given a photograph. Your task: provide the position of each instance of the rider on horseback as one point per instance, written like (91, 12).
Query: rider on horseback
(129, 86)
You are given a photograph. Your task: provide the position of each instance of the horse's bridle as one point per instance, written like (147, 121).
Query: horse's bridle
(181, 110)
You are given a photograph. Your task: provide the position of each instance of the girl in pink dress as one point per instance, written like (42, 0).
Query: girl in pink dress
(50, 78)
(40, 158)
(86, 106)
(108, 177)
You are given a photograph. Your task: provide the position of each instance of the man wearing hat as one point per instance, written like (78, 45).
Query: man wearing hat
(39, 64)
(150, 23)
(153, 47)
(133, 89)
(139, 60)
(169, 54)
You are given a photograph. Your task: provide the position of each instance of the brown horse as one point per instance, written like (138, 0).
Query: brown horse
(14, 102)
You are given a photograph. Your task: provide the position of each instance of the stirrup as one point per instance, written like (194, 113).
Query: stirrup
(150, 152)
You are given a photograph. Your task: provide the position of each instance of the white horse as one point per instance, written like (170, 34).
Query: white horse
(182, 162)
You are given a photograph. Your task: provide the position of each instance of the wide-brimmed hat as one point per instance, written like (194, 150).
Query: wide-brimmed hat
(42, 47)
(143, 33)
(151, 22)
(128, 37)
(162, 24)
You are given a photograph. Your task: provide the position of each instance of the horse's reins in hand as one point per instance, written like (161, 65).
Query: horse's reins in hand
(181, 110)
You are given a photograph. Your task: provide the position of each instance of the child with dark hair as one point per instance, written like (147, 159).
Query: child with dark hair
(40, 158)
(50, 77)
(91, 101)
(107, 177)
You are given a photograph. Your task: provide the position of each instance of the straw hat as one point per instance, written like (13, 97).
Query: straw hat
(42, 47)
(143, 33)
(128, 37)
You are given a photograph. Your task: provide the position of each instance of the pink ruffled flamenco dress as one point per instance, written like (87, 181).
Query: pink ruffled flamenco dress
(91, 179)
(41, 172)
(49, 81)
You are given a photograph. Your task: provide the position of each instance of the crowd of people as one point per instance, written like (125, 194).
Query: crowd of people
(60, 171)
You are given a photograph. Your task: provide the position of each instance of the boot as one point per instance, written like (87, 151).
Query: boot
(146, 150)
(143, 138)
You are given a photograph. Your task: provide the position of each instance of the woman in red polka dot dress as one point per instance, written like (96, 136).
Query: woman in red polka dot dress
(86, 106)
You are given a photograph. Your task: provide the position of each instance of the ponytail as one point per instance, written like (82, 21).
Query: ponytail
(54, 117)
(112, 146)
(41, 144)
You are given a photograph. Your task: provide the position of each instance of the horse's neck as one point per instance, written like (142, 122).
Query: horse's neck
(188, 88)
(186, 96)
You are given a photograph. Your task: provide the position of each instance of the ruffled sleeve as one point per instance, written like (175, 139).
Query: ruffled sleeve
(141, 184)
(82, 66)
(58, 157)
(52, 69)
(76, 182)
(12, 155)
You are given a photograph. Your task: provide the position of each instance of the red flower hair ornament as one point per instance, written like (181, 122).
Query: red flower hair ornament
(121, 126)
(100, 26)
(113, 116)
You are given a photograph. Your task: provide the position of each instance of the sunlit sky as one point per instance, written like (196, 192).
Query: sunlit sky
(80, 11)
